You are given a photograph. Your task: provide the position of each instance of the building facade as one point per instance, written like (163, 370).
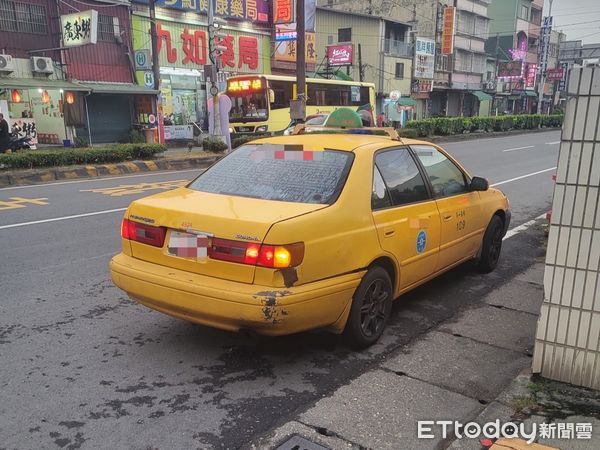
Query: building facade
(61, 81)
(382, 54)
(182, 32)
(514, 36)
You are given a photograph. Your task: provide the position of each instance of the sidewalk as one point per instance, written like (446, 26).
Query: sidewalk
(457, 371)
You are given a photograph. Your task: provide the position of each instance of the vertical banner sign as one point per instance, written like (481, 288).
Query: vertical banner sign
(424, 58)
(80, 28)
(448, 30)
(545, 41)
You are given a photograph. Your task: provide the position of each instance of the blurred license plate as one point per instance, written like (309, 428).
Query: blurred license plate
(188, 245)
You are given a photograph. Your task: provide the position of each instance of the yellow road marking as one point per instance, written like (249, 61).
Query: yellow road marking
(130, 189)
(20, 202)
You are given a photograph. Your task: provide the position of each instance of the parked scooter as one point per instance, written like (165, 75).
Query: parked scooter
(18, 143)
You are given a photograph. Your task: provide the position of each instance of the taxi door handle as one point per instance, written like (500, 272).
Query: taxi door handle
(447, 218)
(389, 232)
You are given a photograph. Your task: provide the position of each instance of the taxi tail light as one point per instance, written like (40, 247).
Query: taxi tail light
(275, 256)
(145, 234)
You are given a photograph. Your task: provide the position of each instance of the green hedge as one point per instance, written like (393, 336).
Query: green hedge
(445, 126)
(213, 145)
(244, 139)
(30, 159)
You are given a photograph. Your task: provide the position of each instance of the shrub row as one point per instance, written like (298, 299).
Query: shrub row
(444, 126)
(30, 159)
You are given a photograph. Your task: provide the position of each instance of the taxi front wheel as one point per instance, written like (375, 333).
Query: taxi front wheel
(491, 246)
(371, 308)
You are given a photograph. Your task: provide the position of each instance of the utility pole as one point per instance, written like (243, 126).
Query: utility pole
(544, 59)
(214, 88)
(496, 71)
(360, 66)
(300, 52)
(156, 68)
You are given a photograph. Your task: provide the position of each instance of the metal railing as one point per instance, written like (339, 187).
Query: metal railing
(398, 48)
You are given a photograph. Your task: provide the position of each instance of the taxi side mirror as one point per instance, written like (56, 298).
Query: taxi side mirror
(479, 184)
(271, 96)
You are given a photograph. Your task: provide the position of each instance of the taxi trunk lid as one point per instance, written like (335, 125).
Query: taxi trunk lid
(218, 216)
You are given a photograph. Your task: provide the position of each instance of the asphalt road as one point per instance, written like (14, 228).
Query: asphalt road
(81, 365)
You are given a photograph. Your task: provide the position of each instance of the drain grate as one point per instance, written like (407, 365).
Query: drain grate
(299, 443)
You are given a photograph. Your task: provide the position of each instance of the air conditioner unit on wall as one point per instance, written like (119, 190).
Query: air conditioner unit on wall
(6, 63)
(41, 64)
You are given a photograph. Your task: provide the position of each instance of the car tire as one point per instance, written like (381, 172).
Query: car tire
(371, 308)
(491, 246)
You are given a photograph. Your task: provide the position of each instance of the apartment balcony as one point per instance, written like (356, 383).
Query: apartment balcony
(400, 49)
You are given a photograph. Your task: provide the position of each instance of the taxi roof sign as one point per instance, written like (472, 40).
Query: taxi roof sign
(344, 118)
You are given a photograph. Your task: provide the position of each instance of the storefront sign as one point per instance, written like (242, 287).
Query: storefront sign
(286, 51)
(562, 84)
(510, 70)
(339, 55)
(448, 30)
(143, 60)
(420, 85)
(79, 28)
(178, 132)
(545, 34)
(555, 74)
(186, 46)
(284, 11)
(252, 10)
(424, 58)
(530, 74)
(24, 128)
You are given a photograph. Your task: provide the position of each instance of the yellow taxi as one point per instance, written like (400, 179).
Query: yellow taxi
(314, 230)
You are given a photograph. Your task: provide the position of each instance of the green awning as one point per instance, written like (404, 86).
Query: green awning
(342, 76)
(531, 93)
(482, 96)
(118, 88)
(406, 101)
(40, 83)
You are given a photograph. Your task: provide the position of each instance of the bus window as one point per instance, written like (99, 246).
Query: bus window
(283, 93)
(318, 94)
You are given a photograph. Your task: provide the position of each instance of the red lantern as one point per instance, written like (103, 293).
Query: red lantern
(70, 98)
(45, 97)
(16, 96)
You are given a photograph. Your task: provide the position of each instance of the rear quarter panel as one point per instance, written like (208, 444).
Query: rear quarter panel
(340, 238)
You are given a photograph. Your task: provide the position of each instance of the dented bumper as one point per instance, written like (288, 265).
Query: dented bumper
(231, 305)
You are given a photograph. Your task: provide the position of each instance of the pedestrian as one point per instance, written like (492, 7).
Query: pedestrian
(381, 120)
(4, 134)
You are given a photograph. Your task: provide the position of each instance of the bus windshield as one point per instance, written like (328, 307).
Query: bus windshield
(248, 100)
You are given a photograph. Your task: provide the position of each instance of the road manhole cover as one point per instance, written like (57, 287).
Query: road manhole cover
(299, 443)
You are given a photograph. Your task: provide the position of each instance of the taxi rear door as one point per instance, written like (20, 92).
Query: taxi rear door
(405, 215)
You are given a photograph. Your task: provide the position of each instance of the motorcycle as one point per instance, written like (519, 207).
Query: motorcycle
(18, 143)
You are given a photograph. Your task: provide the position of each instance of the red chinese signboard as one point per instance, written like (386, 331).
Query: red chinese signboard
(339, 55)
(283, 11)
(530, 74)
(555, 74)
(448, 30)
(194, 50)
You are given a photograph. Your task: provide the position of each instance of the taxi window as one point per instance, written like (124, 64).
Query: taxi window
(269, 172)
(380, 197)
(446, 178)
(402, 176)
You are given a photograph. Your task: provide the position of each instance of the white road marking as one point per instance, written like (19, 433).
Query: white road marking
(108, 211)
(522, 176)
(553, 143)
(91, 180)
(521, 228)
(57, 219)
(518, 148)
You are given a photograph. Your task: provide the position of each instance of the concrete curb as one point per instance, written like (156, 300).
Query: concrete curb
(35, 176)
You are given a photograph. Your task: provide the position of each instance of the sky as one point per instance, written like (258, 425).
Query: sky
(569, 15)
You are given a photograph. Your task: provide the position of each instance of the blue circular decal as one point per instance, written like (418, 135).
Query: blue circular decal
(421, 241)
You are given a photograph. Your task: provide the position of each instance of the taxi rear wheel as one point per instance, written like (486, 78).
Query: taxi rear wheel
(371, 308)
(491, 246)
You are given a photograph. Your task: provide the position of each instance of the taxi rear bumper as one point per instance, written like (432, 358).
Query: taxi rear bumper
(232, 305)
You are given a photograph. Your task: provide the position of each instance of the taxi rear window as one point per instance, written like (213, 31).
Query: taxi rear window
(277, 172)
